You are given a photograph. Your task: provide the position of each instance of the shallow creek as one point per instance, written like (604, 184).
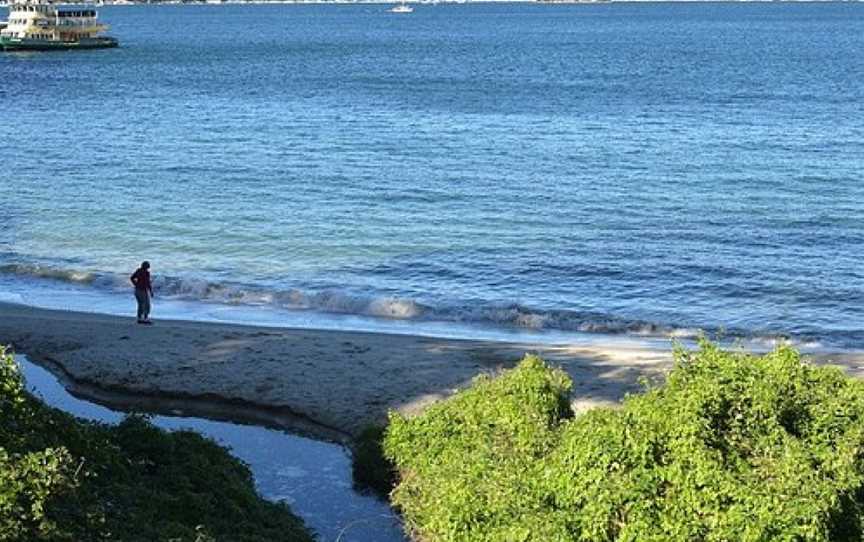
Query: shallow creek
(313, 477)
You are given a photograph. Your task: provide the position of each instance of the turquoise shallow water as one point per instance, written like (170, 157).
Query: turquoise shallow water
(642, 169)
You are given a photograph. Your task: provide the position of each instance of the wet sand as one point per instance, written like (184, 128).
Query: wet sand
(338, 381)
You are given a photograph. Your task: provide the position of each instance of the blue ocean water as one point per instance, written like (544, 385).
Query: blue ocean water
(645, 169)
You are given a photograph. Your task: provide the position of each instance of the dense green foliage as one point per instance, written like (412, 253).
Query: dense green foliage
(732, 447)
(62, 479)
(470, 465)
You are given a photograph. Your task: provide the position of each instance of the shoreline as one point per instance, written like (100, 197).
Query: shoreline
(341, 380)
(322, 383)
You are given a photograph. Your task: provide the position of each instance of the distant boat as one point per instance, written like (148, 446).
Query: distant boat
(401, 8)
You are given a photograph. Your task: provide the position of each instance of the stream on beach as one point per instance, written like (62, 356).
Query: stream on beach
(313, 477)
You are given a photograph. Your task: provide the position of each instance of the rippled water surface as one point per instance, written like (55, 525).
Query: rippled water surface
(638, 168)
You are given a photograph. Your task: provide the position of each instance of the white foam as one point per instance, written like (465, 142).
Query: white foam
(77, 297)
(201, 300)
(11, 297)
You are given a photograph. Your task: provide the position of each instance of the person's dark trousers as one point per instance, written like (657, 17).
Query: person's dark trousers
(143, 299)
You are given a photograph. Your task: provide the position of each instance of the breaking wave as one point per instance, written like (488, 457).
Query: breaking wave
(46, 272)
(336, 301)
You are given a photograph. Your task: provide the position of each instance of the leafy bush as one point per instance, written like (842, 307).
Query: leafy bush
(62, 479)
(28, 484)
(731, 447)
(470, 466)
(30, 479)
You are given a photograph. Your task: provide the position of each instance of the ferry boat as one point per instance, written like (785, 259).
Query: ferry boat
(39, 25)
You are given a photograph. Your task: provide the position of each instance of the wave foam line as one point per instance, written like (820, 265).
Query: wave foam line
(392, 307)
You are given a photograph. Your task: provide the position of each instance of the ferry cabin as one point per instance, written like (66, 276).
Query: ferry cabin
(46, 22)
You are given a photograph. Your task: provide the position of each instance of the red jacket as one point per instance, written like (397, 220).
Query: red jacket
(141, 280)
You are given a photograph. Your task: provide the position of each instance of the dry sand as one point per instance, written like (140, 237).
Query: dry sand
(340, 381)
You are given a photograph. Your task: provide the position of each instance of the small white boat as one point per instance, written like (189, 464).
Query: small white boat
(401, 8)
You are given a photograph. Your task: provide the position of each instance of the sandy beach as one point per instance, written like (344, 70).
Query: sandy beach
(336, 382)
(339, 379)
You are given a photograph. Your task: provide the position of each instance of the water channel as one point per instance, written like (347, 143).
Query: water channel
(314, 477)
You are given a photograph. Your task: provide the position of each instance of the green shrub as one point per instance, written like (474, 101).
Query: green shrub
(470, 465)
(732, 447)
(62, 479)
(29, 483)
(31, 480)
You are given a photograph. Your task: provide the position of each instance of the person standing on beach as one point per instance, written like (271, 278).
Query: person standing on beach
(143, 291)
